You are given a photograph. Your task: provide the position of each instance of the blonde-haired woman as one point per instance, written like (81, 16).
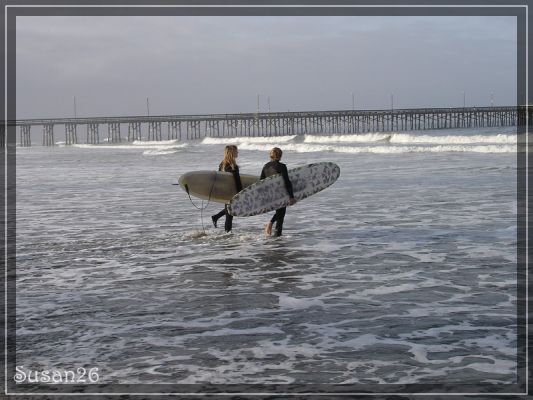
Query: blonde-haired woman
(271, 168)
(229, 164)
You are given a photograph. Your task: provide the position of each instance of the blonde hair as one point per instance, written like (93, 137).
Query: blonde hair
(275, 154)
(230, 155)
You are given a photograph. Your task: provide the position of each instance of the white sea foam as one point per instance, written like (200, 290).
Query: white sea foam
(295, 147)
(493, 366)
(288, 302)
(355, 138)
(160, 152)
(385, 149)
(389, 289)
(498, 139)
(249, 140)
(405, 138)
(154, 146)
(155, 142)
(374, 143)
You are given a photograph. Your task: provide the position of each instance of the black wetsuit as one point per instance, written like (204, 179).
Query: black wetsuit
(238, 185)
(273, 168)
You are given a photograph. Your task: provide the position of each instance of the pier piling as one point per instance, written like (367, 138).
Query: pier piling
(25, 137)
(48, 135)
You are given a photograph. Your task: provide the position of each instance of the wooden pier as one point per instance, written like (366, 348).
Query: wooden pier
(193, 127)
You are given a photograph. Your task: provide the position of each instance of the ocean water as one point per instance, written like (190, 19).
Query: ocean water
(402, 272)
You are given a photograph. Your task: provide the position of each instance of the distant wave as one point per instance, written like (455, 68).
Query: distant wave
(390, 138)
(248, 140)
(356, 138)
(160, 152)
(156, 143)
(387, 149)
(376, 142)
(405, 138)
(134, 146)
(432, 149)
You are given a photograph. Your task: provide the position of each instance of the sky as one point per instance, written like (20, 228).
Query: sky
(213, 64)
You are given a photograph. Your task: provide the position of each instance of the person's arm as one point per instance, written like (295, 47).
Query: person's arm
(288, 183)
(237, 177)
(263, 175)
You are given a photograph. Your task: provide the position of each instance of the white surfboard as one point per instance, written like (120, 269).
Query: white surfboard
(213, 185)
(270, 193)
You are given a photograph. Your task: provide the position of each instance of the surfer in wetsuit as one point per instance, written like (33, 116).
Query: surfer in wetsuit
(272, 168)
(229, 164)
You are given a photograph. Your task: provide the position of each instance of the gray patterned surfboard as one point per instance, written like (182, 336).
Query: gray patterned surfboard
(270, 193)
(213, 185)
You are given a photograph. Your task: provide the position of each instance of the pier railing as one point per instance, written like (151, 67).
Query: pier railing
(192, 127)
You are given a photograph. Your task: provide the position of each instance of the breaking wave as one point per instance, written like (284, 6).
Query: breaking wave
(386, 149)
(405, 138)
(373, 142)
(151, 148)
(378, 142)
(248, 140)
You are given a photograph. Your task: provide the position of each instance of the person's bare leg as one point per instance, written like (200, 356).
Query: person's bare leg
(268, 229)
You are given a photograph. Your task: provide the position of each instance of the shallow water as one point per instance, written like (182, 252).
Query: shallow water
(403, 271)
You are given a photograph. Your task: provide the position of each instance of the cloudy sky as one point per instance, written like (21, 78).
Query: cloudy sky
(202, 65)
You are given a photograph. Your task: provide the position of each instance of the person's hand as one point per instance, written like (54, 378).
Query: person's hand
(292, 200)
